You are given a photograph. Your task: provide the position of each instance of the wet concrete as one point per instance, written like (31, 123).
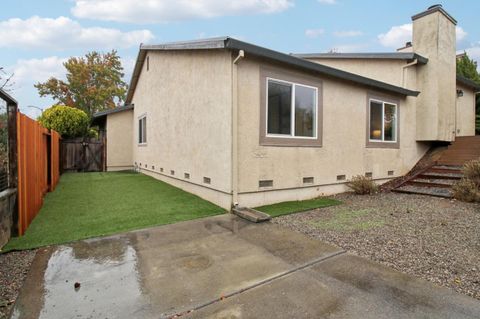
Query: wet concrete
(224, 267)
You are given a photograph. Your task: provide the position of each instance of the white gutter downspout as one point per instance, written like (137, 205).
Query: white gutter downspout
(240, 55)
(404, 72)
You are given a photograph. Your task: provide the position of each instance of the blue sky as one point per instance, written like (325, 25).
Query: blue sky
(37, 36)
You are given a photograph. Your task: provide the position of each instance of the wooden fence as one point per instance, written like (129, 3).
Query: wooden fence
(82, 155)
(38, 167)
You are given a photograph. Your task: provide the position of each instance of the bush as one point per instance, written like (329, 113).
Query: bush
(471, 171)
(362, 185)
(466, 190)
(68, 121)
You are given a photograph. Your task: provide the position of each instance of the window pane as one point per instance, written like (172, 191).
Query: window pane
(376, 121)
(144, 132)
(140, 131)
(305, 101)
(279, 108)
(390, 120)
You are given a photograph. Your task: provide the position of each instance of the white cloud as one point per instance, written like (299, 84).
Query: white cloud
(327, 1)
(65, 33)
(397, 36)
(346, 34)
(37, 70)
(314, 33)
(162, 11)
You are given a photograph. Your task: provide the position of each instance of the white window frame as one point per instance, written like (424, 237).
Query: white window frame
(292, 120)
(383, 121)
(144, 138)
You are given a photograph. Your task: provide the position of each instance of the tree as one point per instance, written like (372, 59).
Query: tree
(94, 83)
(467, 68)
(5, 79)
(68, 121)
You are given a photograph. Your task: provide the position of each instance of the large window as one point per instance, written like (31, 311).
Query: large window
(383, 121)
(291, 109)
(142, 130)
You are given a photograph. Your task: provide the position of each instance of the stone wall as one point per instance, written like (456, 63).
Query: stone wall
(7, 206)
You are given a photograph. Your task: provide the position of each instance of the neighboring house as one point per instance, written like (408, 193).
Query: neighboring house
(240, 124)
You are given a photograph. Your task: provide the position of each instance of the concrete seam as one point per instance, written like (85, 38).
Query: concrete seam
(257, 284)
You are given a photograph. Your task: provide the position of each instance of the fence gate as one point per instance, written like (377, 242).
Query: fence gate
(82, 155)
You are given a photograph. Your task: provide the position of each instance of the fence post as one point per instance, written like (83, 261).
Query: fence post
(12, 146)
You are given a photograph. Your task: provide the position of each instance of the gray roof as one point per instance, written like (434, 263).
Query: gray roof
(114, 110)
(467, 82)
(254, 50)
(409, 56)
(7, 98)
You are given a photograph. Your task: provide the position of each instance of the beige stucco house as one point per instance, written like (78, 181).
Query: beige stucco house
(239, 124)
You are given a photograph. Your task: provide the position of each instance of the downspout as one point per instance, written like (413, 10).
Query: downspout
(240, 55)
(404, 72)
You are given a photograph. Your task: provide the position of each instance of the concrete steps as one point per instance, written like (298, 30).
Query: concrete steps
(250, 214)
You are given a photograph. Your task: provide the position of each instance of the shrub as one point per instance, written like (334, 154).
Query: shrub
(362, 185)
(68, 121)
(466, 190)
(471, 171)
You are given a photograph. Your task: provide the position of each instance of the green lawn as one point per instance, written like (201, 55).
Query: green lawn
(96, 204)
(285, 208)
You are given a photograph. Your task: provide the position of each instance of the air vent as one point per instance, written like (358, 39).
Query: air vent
(187, 175)
(341, 177)
(161, 169)
(172, 172)
(207, 180)
(308, 180)
(390, 173)
(146, 165)
(153, 167)
(265, 183)
(369, 174)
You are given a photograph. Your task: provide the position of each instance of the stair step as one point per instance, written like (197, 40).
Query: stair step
(431, 191)
(429, 183)
(251, 214)
(434, 175)
(444, 169)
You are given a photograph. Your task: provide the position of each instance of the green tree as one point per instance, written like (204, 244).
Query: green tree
(94, 83)
(66, 120)
(467, 68)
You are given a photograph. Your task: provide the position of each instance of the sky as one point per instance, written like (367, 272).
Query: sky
(38, 36)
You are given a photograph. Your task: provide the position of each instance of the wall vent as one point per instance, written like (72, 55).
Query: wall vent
(153, 167)
(207, 180)
(265, 183)
(146, 165)
(161, 169)
(187, 175)
(172, 172)
(308, 180)
(369, 174)
(390, 173)
(341, 177)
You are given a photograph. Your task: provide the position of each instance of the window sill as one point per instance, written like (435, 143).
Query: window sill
(290, 141)
(141, 144)
(393, 145)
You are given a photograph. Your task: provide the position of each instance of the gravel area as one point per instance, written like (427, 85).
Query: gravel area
(433, 238)
(14, 267)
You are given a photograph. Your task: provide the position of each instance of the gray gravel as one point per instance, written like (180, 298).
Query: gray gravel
(433, 238)
(14, 267)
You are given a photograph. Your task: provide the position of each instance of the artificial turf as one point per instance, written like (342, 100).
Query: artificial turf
(292, 207)
(88, 205)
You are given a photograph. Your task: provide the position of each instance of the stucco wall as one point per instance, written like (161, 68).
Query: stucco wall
(119, 141)
(186, 96)
(465, 112)
(344, 150)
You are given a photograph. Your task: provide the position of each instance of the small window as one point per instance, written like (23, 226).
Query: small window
(291, 109)
(265, 183)
(207, 180)
(383, 121)
(308, 180)
(142, 130)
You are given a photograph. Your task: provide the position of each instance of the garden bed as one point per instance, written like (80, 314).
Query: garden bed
(432, 238)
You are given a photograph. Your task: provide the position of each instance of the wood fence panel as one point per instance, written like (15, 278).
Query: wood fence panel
(82, 155)
(38, 169)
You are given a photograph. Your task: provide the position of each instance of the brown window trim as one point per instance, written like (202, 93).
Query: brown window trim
(299, 78)
(388, 99)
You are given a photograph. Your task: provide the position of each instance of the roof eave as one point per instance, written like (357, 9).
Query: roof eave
(467, 82)
(7, 97)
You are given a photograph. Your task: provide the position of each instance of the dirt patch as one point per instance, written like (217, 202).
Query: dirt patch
(432, 238)
(14, 267)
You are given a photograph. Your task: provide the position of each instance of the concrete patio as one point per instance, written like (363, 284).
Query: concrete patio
(224, 267)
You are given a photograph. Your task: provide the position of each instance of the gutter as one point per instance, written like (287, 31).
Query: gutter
(241, 55)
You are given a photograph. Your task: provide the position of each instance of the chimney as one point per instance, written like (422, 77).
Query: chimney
(434, 38)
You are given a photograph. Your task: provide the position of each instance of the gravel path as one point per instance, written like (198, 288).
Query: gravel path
(432, 238)
(14, 267)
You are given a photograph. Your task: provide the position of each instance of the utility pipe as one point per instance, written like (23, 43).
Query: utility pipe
(241, 54)
(404, 71)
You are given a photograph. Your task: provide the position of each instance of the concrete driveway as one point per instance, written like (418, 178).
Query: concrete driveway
(224, 267)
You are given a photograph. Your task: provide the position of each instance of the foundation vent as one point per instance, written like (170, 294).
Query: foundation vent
(308, 180)
(390, 173)
(369, 174)
(172, 172)
(341, 177)
(265, 183)
(187, 175)
(153, 167)
(207, 180)
(161, 169)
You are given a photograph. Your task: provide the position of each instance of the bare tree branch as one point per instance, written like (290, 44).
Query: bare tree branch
(6, 80)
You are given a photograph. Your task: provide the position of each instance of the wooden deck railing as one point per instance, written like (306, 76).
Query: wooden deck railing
(38, 167)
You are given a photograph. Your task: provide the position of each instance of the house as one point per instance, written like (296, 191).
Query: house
(239, 124)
